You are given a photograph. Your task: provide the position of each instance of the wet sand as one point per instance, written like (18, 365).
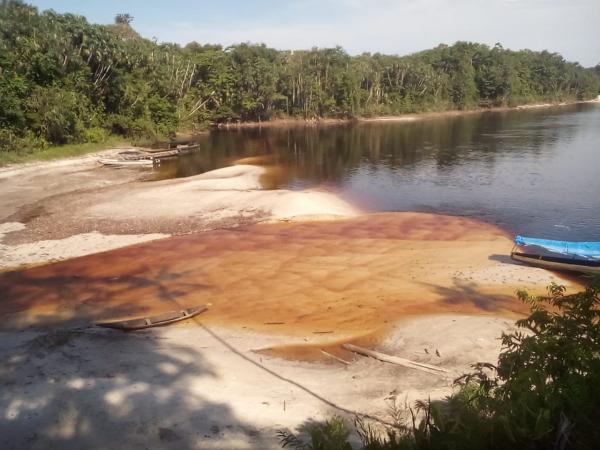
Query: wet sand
(337, 279)
(111, 208)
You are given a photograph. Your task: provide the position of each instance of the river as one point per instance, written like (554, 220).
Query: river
(534, 172)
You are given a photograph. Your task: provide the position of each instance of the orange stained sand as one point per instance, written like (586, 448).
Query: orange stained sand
(350, 277)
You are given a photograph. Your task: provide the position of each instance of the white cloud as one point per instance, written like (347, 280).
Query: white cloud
(568, 27)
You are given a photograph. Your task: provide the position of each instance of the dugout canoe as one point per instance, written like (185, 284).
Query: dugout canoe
(141, 323)
(126, 162)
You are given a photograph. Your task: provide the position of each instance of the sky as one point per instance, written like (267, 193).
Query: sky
(568, 27)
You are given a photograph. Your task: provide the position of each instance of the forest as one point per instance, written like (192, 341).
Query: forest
(64, 80)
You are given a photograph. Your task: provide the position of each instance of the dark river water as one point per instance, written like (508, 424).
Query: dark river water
(532, 172)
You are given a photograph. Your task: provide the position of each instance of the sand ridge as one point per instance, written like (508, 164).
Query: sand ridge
(227, 192)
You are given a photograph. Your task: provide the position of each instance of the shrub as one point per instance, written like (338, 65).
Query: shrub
(95, 135)
(11, 143)
(59, 116)
(330, 435)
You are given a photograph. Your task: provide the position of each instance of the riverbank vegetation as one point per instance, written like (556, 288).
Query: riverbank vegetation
(52, 152)
(64, 80)
(543, 393)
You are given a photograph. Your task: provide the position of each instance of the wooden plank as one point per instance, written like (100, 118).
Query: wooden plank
(187, 149)
(165, 152)
(395, 360)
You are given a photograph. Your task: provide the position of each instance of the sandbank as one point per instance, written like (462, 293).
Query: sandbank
(435, 289)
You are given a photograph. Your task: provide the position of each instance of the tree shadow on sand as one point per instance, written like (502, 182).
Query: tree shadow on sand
(78, 299)
(67, 384)
(468, 298)
(96, 388)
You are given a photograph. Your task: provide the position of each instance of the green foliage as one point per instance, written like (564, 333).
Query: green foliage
(95, 135)
(543, 394)
(330, 435)
(57, 115)
(30, 149)
(61, 76)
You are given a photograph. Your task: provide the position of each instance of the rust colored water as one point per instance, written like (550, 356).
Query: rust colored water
(350, 276)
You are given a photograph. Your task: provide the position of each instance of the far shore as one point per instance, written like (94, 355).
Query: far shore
(73, 152)
(409, 117)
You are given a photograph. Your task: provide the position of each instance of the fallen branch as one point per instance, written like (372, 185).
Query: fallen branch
(395, 360)
(343, 361)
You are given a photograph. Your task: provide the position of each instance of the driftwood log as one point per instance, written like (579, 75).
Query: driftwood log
(337, 358)
(396, 360)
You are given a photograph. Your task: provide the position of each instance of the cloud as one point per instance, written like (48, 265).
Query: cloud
(401, 27)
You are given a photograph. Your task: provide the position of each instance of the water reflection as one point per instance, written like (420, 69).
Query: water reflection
(529, 171)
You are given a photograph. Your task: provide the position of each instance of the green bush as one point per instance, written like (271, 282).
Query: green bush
(330, 435)
(95, 135)
(163, 115)
(58, 115)
(20, 145)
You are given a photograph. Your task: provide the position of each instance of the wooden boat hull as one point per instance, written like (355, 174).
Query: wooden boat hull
(539, 261)
(185, 149)
(154, 321)
(126, 162)
(148, 157)
(157, 154)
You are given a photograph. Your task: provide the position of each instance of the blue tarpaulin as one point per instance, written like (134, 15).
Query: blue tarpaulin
(584, 250)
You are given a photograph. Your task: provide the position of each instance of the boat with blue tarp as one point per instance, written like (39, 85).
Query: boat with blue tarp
(558, 255)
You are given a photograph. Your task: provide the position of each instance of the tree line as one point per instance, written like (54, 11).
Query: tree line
(65, 80)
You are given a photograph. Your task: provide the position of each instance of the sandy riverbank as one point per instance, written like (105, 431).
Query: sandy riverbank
(195, 386)
(111, 208)
(407, 284)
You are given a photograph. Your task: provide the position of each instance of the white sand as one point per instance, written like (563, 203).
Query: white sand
(229, 193)
(226, 192)
(193, 387)
(13, 256)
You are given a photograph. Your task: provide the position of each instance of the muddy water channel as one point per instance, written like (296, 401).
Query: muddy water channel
(532, 172)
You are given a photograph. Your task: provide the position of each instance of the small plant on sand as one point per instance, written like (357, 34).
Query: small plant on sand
(544, 393)
(329, 435)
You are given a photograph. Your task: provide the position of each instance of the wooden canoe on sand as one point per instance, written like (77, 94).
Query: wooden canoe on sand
(153, 321)
(581, 257)
(126, 162)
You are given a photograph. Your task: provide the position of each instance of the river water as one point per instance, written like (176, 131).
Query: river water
(534, 172)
